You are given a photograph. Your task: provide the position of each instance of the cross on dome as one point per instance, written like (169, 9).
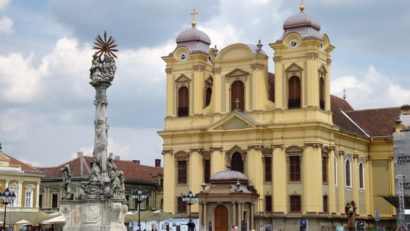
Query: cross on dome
(301, 6)
(194, 13)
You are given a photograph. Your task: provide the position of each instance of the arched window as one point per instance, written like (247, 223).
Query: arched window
(361, 176)
(208, 95)
(183, 102)
(322, 93)
(237, 96)
(271, 92)
(348, 173)
(294, 93)
(236, 162)
(208, 91)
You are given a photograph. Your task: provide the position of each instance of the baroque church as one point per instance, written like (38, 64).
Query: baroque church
(267, 150)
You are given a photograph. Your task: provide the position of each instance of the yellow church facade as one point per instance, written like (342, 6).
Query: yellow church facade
(305, 152)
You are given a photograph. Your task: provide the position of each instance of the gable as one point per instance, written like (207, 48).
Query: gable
(237, 73)
(182, 79)
(234, 121)
(294, 68)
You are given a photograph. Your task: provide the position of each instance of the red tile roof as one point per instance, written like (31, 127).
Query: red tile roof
(376, 122)
(133, 171)
(368, 122)
(25, 167)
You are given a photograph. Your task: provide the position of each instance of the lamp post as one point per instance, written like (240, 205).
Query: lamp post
(6, 197)
(139, 196)
(190, 199)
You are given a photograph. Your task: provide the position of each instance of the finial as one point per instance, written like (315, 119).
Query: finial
(259, 45)
(105, 45)
(301, 6)
(194, 13)
(344, 93)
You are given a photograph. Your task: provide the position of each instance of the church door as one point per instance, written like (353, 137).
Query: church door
(221, 218)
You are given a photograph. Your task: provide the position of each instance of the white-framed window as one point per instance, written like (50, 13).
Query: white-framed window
(361, 175)
(28, 199)
(14, 187)
(348, 173)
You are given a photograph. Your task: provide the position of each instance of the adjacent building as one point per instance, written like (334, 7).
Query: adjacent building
(303, 152)
(137, 176)
(24, 180)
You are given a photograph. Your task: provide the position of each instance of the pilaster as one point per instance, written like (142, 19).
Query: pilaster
(254, 169)
(279, 179)
(217, 160)
(196, 174)
(331, 180)
(312, 178)
(169, 181)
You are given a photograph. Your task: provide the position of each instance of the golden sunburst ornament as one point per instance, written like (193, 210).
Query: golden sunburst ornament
(105, 46)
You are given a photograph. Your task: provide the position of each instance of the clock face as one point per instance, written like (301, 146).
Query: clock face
(183, 56)
(293, 43)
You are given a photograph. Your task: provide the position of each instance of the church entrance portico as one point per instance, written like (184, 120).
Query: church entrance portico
(227, 201)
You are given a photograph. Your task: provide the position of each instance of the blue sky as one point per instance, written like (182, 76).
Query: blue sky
(46, 104)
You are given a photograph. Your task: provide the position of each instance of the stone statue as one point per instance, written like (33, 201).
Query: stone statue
(350, 211)
(111, 167)
(67, 191)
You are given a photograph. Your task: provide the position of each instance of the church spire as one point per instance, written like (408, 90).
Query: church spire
(301, 6)
(194, 13)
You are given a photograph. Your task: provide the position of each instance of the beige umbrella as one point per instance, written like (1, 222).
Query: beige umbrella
(56, 220)
(23, 222)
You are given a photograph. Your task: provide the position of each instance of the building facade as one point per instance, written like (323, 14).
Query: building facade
(24, 180)
(137, 176)
(305, 152)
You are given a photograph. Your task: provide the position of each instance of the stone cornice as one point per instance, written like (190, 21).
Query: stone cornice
(257, 66)
(168, 70)
(198, 67)
(167, 151)
(216, 149)
(255, 147)
(216, 70)
(281, 146)
(313, 145)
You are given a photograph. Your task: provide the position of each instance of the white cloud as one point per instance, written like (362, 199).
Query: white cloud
(4, 4)
(375, 90)
(6, 25)
(13, 124)
(18, 77)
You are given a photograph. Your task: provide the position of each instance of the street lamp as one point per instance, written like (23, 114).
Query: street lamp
(6, 197)
(139, 196)
(190, 199)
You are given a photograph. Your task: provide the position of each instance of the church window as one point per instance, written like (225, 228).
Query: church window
(182, 172)
(348, 173)
(268, 203)
(325, 169)
(237, 96)
(183, 102)
(207, 170)
(294, 93)
(322, 93)
(271, 92)
(181, 206)
(268, 169)
(295, 203)
(208, 91)
(361, 176)
(294, 168)
(325, 204)
(54, 200)
(237, 162)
